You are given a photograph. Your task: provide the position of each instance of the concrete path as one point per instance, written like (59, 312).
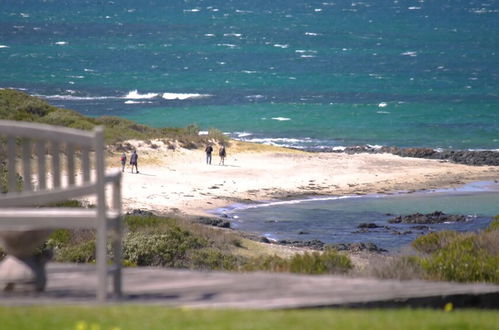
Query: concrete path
(75, 284)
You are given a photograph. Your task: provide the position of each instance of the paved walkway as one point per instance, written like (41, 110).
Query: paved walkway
(75, 284)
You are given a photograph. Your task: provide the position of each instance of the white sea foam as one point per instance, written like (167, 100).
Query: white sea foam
(410, 53)
(311, 34)
(135, 95)
(232, 35)
(183, 96)
(61, 43)
(194, 10)
(281, 118)
(281, 45)
(227, 45)
(382, 105)
(414, 8)
(242, 134)
(4, 46)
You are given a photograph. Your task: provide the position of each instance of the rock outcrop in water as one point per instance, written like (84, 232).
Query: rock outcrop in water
(430, 218)
(468, 157)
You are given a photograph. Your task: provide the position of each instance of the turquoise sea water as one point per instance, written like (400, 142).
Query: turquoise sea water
(335, 219)
(310, 74)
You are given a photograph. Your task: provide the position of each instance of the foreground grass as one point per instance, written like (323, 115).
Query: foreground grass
(155, 317)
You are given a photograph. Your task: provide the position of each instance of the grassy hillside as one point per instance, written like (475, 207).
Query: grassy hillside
(16, 105)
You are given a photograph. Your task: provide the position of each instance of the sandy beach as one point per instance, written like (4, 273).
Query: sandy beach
(180, 181)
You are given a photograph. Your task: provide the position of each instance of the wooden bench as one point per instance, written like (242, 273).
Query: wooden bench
(58, 164)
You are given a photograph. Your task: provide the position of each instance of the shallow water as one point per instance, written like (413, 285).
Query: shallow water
(335, 219)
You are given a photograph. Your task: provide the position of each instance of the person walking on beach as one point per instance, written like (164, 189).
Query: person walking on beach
(133, 161)
(208, 150)
(123, 161)
(222, 153)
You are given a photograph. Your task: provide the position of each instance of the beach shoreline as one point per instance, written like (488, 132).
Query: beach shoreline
(179, 180)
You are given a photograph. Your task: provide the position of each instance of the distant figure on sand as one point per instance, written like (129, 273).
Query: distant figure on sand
(123, 161)
(209, 150)
(133, 161)
(222, 153)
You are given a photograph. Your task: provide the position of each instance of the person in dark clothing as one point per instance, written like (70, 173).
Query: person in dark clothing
(134, 160)
(208, 150)
(222, 153)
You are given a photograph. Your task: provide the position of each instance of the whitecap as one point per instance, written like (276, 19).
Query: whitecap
(61, 43)
(135, 95)
(4, 46)
(183, 96)
(209, 35)
(382, 105)
(281, 118)
(194, 10)
(232, 35)
(227, 45)
(248, 71)
(243, 134)
(414, 8)
(409, 53)
(257, 96)
(307, 56)
(311, 34)
(281, 45)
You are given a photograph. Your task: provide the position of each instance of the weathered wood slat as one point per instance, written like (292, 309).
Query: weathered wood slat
(46, 132)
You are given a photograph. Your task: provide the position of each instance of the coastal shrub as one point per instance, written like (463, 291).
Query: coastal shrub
(212, 259)
(468, 258)
(432, 242)
(81, 253)
(328, 262)
(396, 267)
(494, 225)
(160, 249)
(138, 222)
(217, 135)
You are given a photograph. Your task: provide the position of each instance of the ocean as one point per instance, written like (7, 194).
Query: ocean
(305, 74)
(317, 75)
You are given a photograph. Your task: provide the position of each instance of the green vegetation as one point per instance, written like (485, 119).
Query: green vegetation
(327, 262)
(159, 317)
(151, 240)
(462, 257)
(16, 105)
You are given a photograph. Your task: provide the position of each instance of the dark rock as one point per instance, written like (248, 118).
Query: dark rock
(420, 227)
(140, 213)
(435, 217)
(368, 225)
(215, 222)
(477, 158)
(264, 239)
(302, 232)
(357, 247)
(312, 244)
